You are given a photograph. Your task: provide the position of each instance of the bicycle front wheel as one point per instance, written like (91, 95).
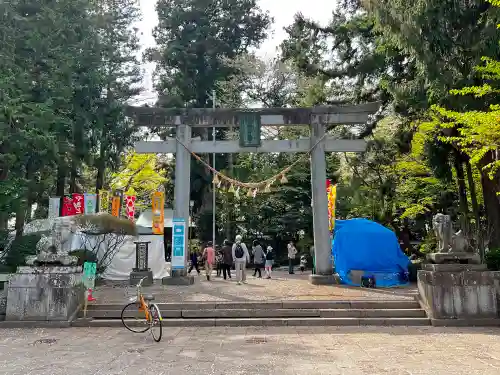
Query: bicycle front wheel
(134, 319)
(155, 322)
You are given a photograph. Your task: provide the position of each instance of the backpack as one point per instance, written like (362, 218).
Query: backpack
(269, 255)
(239, 252)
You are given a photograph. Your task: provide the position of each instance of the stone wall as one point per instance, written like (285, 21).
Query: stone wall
(44, 293)
(470, 293)
(3, 304)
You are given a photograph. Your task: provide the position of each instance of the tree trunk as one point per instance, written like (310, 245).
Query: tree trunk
(20, 219)
(475, 208)
(61, 180)
(492, 208)
(4, 220)
(462, 192)
(73, 188)
(491, 204)
(61, 184)
(99, 180)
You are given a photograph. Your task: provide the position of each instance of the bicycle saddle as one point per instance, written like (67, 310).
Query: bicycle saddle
(148, 297)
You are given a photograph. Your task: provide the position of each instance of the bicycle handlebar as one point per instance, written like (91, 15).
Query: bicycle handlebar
(140, 282)
(138, 286)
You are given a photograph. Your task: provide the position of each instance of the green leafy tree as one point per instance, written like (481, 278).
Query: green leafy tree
(43, 117)
(121, 75)
(141, 175)
(476, 134)
(197, 40)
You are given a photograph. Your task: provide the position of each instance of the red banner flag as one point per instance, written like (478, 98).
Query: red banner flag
(78, 200)
(68, 209)
(130, 206)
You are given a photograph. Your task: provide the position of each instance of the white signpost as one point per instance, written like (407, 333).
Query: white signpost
(178, 244)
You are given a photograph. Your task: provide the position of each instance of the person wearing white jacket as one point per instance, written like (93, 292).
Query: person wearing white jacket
(292, 252)
(240, 258)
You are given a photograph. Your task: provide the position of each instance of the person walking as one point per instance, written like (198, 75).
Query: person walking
(218, 261)
(194, 262)
(259, 258)
(292, 252)
(269, 262)
(209, 256)
(227, 259)
(241, 257)
(303, 263)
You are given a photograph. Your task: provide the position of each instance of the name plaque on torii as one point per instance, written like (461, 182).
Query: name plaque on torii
(249, 123)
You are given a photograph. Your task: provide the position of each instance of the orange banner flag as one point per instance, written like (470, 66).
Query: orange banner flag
(158, 212)
(332, 198)
(116, 203)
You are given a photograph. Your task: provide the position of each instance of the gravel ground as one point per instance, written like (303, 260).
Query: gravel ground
(237, 351)
(281, 287)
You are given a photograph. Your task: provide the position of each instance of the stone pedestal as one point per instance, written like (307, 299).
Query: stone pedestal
(324, 279)
(136, 276)
(464, 293)
(461, 258)
(178, 277)
(180, 280)
(44, 293)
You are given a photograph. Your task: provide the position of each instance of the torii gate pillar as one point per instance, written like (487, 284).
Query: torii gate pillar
(322, 242)
(181, 187)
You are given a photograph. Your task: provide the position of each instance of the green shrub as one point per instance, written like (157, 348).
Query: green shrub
(19, 249)
(83, 256)
(106, 223)
(429, 245)
(492, 259)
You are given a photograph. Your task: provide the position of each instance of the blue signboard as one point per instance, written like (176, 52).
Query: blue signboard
(178, 244)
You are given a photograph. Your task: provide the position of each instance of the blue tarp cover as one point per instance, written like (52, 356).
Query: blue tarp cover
(363, 245)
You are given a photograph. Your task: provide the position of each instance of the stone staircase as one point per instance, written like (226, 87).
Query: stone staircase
(271, 313)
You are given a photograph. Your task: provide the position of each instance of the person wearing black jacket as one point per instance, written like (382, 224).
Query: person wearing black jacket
(194, 262)
(227, 259)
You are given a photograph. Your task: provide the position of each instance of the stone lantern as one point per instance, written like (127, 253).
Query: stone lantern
(141, 269)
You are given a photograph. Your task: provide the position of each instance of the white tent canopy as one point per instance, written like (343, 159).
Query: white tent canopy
(146, 218)
(124, 259)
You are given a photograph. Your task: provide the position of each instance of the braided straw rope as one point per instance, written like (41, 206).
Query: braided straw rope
(251, 185)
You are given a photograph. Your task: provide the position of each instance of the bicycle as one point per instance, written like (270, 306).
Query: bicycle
(143, 312)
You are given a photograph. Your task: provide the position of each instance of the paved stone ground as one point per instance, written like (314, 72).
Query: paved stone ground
(238, 351)
(282, 286)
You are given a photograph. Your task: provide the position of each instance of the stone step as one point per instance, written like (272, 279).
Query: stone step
(267, 313)
(255, 322)
(271, 305)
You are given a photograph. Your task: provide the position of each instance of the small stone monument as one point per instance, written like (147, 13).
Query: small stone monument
(49, 287)
(141, 269)
(455, 286)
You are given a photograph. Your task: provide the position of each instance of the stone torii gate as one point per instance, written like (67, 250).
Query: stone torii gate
(249, 122)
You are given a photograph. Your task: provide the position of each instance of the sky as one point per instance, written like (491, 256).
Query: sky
(281, 10)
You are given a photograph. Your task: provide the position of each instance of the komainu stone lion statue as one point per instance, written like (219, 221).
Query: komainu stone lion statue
(53, 249)
(447, 241)
(443, 230)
